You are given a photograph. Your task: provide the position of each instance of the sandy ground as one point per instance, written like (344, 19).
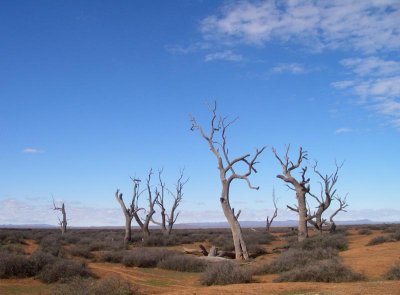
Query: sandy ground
(373, 261)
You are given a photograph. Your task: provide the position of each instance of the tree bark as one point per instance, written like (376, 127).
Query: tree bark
(128, 229)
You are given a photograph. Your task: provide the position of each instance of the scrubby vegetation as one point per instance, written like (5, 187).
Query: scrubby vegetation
(393, 273)
(393, 236)
(326, 270)
(108, 286)
(314, 259)
(225, 273)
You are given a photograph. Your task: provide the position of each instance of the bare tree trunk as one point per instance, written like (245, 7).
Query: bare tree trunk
(303, 217)
(63, 222)
(128, 229)
(301, 187)
(227, 173)
(237, 235)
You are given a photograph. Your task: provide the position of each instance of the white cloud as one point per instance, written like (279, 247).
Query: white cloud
(32, 151)
(377, 85)
(343, 130)
(367, 25)
(227, 55)
(292, 68)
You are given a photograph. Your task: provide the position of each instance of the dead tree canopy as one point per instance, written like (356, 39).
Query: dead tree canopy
(228, 172)
(327, 194)
(62, 222)
(275, 214)
(133, 210)
(342, 207)
(168, 219)
(300, 186)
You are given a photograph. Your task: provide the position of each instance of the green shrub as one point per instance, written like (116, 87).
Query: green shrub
(329, 270)
(182, 263)
(225, 273)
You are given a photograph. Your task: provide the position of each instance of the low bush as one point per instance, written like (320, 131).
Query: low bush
(40, 259)
(378, 240)
(182, 263)
(145, 257)
(329, 270)
(81, 251)
(62, 270)
(335, 241)
(297, 258)
(112, 256)
(15, 266)
(364, 231)
(225, 273)
(107, 286)
(393, 273)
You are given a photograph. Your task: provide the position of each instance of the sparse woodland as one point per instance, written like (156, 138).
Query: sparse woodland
(112, 261)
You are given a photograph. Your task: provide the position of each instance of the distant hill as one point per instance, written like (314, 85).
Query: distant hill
(27, 226)
(244, 224)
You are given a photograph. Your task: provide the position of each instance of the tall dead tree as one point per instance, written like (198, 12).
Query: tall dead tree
(301, 187)
(269, 221)
(152, 199)
(62, 222)
(132, 210)
(227, 173)
(168, 220)
(327, 194)
(342, 206)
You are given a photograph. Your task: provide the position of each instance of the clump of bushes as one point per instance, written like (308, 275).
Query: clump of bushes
(112, 256)
(392, 237)
(62, 270)
(335, 241)
(297, 258)
(225, 273)
(15, 266)
(314, 259)
(182, 263)
(364, 231)
(393, 273)
(145, 257)
(107, 286)
(328, 270)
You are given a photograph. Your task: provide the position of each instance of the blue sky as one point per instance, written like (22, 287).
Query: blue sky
(93, 92)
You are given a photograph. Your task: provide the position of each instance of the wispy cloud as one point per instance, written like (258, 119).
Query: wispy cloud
(343, 130)
(227, 55)
(366, 26)
(30, 150)
(376, 84)
(292, 68)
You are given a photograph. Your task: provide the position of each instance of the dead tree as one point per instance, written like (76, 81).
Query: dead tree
(150, 211)
(228, 173)
(132, 210)
(301, 187)
(168, 220)
(269, 221)
(327, 194)
(63, 222)
(342, 206)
